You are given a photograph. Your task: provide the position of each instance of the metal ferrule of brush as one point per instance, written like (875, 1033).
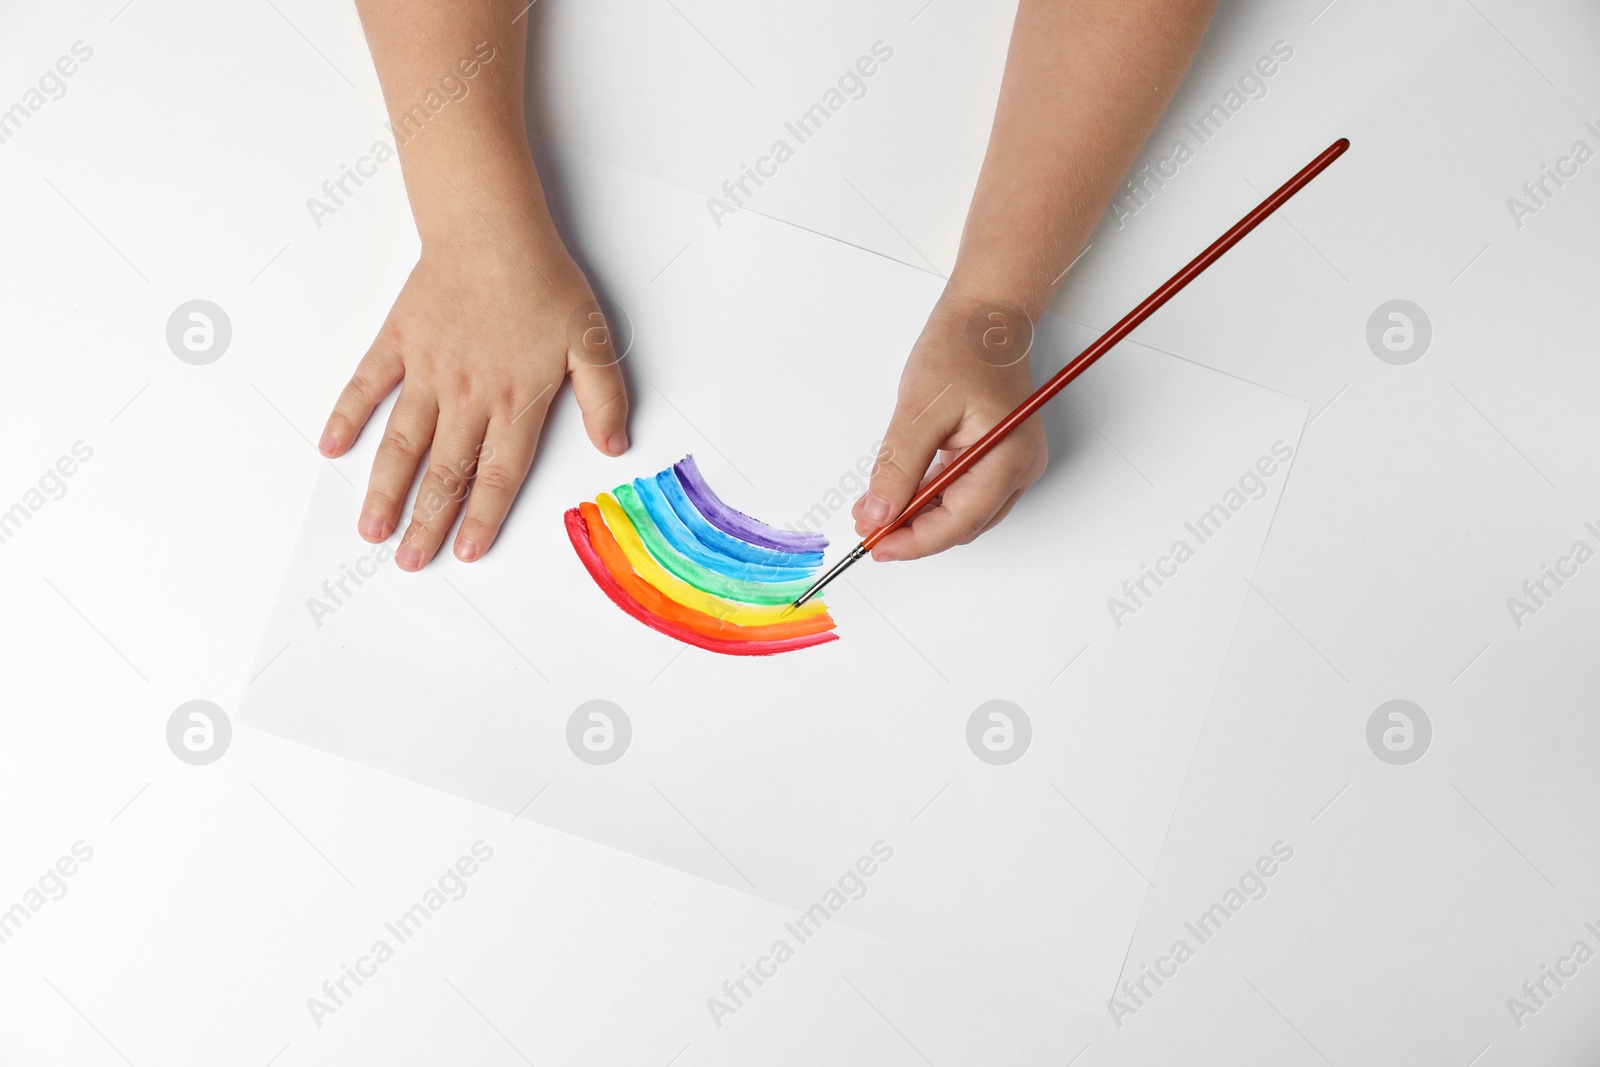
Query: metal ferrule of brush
(838, 569)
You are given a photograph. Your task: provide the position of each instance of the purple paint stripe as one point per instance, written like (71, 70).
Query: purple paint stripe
(737, 523)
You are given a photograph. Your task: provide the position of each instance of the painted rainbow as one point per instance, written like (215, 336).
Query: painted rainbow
(669, 552)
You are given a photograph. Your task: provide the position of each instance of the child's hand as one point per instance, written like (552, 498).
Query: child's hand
(1084, 84)
(479, 341)
(966, 372)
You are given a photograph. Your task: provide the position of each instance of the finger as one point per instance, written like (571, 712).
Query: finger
(885, 453)
(452, 462)
(1030, 474)
(1005, 509)
(921, 422)
(379, 371)
(965, 510)
(597, 384)
(405, 439)
(941, 460)
(502, 467)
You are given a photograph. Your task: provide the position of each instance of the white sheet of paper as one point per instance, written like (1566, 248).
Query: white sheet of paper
(771, 355)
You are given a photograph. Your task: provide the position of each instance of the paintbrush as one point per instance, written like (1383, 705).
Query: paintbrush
(1042, 395)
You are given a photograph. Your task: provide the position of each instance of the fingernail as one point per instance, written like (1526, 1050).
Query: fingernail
(467, 551)
(875, 508)
(883, 555)
(329, 443)
(617, 443)
(371, 527)
(408, 557)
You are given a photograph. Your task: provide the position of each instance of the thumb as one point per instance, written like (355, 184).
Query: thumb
(596, 371)
(916, 431)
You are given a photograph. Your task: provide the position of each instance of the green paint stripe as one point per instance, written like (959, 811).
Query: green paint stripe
(689, 571)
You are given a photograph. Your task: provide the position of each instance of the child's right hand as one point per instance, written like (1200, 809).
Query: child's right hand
(478, 341)
(967, 371)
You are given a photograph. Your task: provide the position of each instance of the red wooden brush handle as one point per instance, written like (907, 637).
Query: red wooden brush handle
(1108, 339)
